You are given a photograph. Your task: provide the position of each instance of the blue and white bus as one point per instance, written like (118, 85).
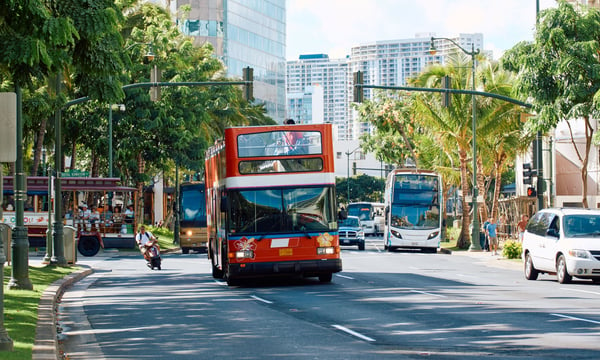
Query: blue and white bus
(412, 210)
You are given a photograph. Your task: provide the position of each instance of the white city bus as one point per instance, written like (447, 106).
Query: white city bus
(412, 210)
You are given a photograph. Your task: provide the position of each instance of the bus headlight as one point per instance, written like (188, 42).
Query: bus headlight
(326, 250)
(432, 235)
(396, 234)
(189, 233)
(246, 254)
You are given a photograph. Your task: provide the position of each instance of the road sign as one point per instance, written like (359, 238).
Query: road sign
(75, 173)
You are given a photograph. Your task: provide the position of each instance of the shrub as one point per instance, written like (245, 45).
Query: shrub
(512, 249)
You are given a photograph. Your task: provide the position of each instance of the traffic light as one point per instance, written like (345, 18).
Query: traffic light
(354, 168)
(446, 84)
(248, 74)
(528, 174)
(358, 90)
(531, 192)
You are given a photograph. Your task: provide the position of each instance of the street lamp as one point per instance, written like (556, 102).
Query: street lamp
(348, 153)
(475, 246)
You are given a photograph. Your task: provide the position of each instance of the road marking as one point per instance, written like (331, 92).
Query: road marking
(351, 332)
(261, 299)
(576, 318)
(344, 276)
(583, 291)
(220, 282)
(427, 293)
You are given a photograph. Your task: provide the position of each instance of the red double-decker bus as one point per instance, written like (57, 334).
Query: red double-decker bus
(271, 205)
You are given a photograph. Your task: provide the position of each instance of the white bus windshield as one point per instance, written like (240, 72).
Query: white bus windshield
(415, 202)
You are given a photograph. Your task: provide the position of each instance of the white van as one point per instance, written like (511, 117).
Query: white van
(565, 242)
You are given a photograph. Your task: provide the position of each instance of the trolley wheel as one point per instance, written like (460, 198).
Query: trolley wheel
(88, 245)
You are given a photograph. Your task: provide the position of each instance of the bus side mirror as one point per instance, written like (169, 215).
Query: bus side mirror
(223, 203)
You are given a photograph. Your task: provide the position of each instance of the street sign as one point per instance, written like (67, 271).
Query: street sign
(75, 173)
(8, 127)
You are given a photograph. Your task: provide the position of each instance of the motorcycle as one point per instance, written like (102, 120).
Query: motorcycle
(152, 254)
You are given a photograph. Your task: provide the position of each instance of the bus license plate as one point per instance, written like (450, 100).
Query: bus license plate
(286, 252)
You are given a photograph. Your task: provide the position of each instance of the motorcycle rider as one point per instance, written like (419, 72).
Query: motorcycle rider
(142, 238)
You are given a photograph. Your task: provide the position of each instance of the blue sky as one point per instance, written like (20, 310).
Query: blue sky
(334, 26)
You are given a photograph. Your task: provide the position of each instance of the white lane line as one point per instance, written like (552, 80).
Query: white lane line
(221, 282)
(576, 318)
(261, 299)
(583, 291)
(344, 276)
(351, 332)
(427, 293)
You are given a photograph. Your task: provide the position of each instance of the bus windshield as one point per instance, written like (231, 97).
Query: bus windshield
(282, 210)
(361, 211)
(415, 202)
(193, 205)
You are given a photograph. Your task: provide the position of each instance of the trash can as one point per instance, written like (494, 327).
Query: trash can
(6, 234)
(69, 244)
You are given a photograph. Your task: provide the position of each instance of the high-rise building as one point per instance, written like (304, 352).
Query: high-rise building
(306, 107)
(332, 76)
(383, 63)
(244, 33)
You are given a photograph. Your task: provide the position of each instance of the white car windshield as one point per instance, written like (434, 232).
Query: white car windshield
(581, 225)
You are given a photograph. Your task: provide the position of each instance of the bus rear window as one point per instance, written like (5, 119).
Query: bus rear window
(280, 143)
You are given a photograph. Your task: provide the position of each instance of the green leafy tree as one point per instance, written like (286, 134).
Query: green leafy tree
(560, 74)
(362, 188)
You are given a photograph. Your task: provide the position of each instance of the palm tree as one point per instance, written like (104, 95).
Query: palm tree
(451, 125)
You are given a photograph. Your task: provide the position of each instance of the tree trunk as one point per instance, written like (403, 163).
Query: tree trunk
(483, 210)
(39, 144)
(463, 241)
(589, 133)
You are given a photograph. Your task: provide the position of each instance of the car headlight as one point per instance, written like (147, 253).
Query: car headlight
(360, 234)
(579, 253)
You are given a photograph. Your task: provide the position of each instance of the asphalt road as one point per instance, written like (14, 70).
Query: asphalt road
(399, 305)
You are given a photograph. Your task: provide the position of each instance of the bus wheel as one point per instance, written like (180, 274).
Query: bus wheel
(185, 250)
(325, 278)
(88, 245)
(230, 281)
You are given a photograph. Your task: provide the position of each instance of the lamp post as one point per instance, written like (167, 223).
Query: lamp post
(348, 153)
(475, 246)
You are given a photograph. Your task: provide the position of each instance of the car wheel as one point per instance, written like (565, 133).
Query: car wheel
(325, 278)
(596, 280)
(561, 271)
(361, 245)
(531, 273)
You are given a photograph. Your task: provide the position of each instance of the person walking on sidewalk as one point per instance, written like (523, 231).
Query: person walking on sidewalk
(491, 231)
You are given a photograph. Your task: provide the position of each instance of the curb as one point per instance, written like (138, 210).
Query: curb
(46, 341)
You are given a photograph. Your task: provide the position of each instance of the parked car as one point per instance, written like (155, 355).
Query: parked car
(565, 242)
(351, 232)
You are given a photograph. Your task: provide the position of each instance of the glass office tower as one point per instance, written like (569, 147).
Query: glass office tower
(245, 33)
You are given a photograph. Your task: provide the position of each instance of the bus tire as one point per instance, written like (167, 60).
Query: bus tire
(325, 278)
(230, 281)
(185, 250)
(88, 245)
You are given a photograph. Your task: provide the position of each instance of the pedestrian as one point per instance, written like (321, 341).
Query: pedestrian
(486, 243)
(521, 225)
(491, 231)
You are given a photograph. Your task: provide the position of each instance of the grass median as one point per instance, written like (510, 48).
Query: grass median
(21, 308)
